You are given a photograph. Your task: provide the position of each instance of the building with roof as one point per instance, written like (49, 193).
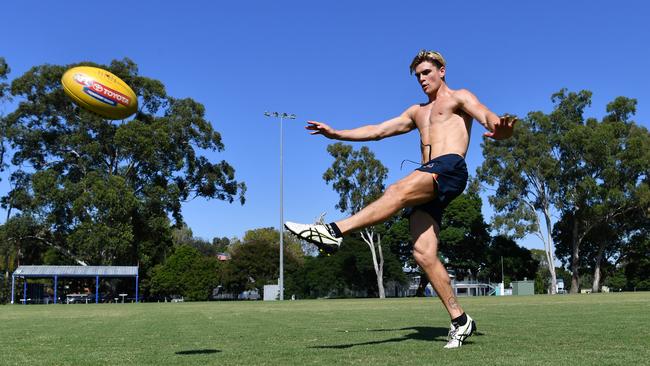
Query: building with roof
(56, 272)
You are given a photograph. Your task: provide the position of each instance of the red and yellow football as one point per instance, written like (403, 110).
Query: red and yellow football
(100, 92)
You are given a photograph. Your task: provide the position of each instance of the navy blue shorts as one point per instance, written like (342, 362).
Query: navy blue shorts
(451, 181)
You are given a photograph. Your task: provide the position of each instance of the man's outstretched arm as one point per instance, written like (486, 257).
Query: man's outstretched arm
(499, 128)
(395, 126)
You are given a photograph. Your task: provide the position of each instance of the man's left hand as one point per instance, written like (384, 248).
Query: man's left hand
(504, 128)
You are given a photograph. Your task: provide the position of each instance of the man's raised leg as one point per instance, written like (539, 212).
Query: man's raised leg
(416, 188)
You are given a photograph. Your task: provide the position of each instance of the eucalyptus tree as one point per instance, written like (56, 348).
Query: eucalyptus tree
(523, 171)
(109, 192)
(358, 177)
(590, 172)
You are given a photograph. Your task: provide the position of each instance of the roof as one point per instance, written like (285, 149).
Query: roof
(223, 256)
(76, 271)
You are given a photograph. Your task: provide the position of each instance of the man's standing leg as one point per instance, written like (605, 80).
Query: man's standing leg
(425, 231)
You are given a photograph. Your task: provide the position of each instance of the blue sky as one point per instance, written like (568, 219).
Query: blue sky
(344, 63)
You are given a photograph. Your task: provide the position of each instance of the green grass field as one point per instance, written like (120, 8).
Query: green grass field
(518, 330)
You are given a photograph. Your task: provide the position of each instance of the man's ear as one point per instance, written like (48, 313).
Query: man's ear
(442, 71)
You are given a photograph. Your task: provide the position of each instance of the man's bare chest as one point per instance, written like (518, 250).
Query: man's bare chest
(437, 113)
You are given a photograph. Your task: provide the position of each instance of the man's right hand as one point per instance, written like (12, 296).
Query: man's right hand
(320, 128)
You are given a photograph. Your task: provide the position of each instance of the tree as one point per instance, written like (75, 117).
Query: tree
(255, 261)
(358, 178)
(4, 95)
(182, 235)
(634, 262)
(185, 236)
(104, 191)
(591, 172)
(605, 179)
(518, 262)
(221, 245)
(16, 252)
(396, 234)
(186, 273)
(349, 273)
(271, 235)
(542, 277)
(523, 168)
(602, 243)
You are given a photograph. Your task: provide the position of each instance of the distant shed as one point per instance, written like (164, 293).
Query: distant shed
(26, 272)
(526, 287)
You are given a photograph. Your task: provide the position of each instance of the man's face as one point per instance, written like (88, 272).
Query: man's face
(429, 76)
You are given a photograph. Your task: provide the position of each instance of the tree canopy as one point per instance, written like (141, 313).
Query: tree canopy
(255, 261)
(186, 273)
(101, 191)
(358, 177)
(4, 90)
(592, 172)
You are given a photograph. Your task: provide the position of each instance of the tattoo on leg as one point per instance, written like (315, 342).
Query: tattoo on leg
(452, 302)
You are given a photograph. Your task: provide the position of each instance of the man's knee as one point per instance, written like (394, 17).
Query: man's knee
(412, 190)
(398, 192)
(436, 270)
(426, 256)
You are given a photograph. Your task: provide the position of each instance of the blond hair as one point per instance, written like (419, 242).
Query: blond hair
(427, 55)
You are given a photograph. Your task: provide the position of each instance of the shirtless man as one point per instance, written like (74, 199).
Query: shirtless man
(444, 123)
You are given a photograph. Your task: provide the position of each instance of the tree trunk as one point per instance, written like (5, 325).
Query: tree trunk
(551, 268)
(380, 285)
(595, 287)
(575, 258)
(369, 238)
(550, 252)
(380, 274)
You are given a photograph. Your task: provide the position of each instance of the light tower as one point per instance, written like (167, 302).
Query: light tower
(281, 116)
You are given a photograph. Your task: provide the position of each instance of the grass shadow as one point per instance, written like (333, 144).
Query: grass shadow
(417, 333)
(198, 352)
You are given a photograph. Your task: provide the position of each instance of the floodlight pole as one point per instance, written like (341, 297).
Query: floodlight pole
(281, 116)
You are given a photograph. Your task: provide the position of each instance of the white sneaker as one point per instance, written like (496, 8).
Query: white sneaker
(319, 234)
(457, 335)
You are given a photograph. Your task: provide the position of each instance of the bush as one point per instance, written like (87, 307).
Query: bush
(186, 273)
